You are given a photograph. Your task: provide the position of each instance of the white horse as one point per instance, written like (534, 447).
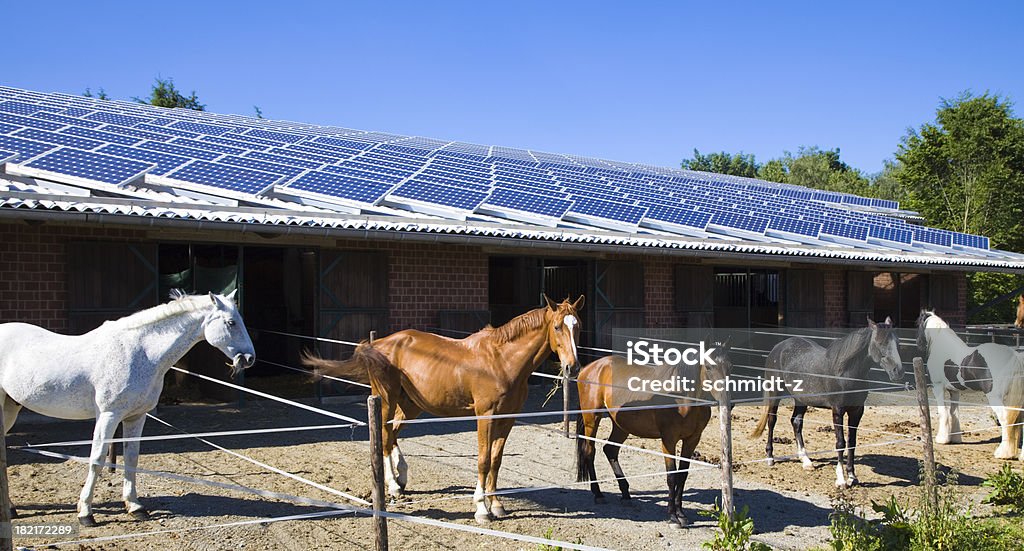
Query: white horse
(114, 373)
(993, 369)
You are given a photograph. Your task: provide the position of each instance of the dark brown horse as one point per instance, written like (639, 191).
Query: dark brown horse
(483, 374)
(605, 384)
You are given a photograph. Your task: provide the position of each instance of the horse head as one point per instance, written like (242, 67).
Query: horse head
(563, 329)
(1019, 322)
(720, 366)
(223, 328)
(922, 322)
(884, 349)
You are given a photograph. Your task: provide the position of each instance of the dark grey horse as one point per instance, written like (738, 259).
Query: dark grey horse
(837, 378)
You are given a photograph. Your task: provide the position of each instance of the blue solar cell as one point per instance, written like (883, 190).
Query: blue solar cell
(164, 162)
(7, 156)
(608, 209)
(439, 194)
(289, 159)
(173, 149)
(225, 177)
(76, 111)
(424, 177)
(842, 229)
(935, 237)
(100, 135)
(90, 165)
(755, 224)
(890, 234)
(26, 149)
(678, 216)
(253, 140)
(362, 174)
(234, 143)
(962, 239)
(59, 139)
(413, 151)
(529, 202)
(63, 119)
(166, 131)
(885, 204)
(117, 118)
(162, 121)
(29, 122)
(6, 128)
(793, 225)
(341, 186)
(199, 144)
(304, 155)
(855, 200)
(532, 189)
(19, 108)
(200, 128)
(135, 133)
(334, 152)
(279, 136)
(264, 166)
(343, 143)
(400, 163)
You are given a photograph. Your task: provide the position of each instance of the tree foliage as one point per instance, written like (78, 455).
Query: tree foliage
(738, 164)
(165, 94)
(102, 94)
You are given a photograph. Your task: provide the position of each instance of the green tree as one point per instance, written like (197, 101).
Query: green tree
(102, 94)
(165, 94)
(738, 164)
(965, 172)
(818, 168)
(774, 170)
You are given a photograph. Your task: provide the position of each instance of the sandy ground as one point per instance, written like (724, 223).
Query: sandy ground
(789, 505)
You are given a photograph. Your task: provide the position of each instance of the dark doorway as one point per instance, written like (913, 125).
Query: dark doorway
(746, 297)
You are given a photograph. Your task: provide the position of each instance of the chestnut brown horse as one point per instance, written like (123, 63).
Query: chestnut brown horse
(483, 374)
(605, 384)
(1019, 322)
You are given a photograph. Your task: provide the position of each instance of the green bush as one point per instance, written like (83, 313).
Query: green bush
(733, 534)
(1007, 489)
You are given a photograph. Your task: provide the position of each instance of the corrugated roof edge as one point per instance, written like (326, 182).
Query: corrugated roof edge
(271, 221)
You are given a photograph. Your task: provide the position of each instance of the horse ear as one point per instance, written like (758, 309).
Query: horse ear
(551, 305)
(888, 321)
(871, 323)
(231, 295)
(578, 305)
(1022, 299)
(213, 299)
(725, 344)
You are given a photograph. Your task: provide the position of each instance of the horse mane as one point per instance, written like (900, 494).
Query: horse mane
(516, 327)
(851, 347)
(180, 303)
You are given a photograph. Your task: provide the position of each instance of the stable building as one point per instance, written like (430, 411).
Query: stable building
(105, 206)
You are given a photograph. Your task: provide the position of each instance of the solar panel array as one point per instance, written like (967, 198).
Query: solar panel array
(61, 136)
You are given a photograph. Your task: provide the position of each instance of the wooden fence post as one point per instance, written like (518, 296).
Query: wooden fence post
(926, 432)
(725, 429)
(380, 522)
(7, 538)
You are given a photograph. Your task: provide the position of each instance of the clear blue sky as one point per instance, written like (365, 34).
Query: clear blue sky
(630, 81)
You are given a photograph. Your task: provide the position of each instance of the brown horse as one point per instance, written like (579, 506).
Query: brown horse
(605, 384)
(1019, 322)
(483, 374)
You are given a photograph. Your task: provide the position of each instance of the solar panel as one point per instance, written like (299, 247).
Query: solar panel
(166, 131)
(225, 177)
(343, 143)
(7, 156)
(348, 171)
(5, 128)
(29, 122)
(324, 149)
(164, 162)
(59, 139)
(795, 226)
(117, 118)
(291, 151)
(199, 144)
(200, 128)
(934, 237)
(962, 239)
(174, 149)
(279, 136)
(19, 108)
(341, 186)
(63, 119)
(841, 229)
(234, 143)
(89, 165)
(100, 135)
(885, 204)
(26, 149)
(264, 166)
(289, 159)
(745, 222)
(439, 194)
(678, 216)
(528, 202)
(890, 234)
(620, 212)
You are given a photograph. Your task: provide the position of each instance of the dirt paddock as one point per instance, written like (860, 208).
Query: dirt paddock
(789, 505)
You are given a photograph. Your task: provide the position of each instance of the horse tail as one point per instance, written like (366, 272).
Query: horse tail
(582, 470)
(365, 364)
(769, 365)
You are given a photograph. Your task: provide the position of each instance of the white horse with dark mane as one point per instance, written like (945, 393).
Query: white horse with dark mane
(114, 373)
(993, 369)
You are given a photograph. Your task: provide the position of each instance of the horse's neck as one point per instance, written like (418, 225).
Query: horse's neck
(859, 365)
(167, 340)
(947, 343)
(525, 353)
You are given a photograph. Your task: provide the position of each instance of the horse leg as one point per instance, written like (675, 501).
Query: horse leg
(837, 424)
(132, 428)
(856, 413)
(939, 392)
(483, 466)
(586, 426)
(688, 448)
(675, 516)
(500, 430)
(389, 439)
(769, 448)
(955, 434)
(798, 431)
(11, 410)
(611, 451)
(106, 422)
(406, 410)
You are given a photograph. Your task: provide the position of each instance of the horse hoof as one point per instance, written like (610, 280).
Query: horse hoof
(88, 521)
(140, 514)
(808, 466)
(674, 524)
(497, 511)
(482, 519)
(771, 461)
(850, 483)
(681, 519)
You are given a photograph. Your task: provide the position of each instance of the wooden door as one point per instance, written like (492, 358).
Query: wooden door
(108, 281)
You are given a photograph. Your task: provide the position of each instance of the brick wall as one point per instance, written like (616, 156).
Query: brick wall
(426, 278)
(959, 318)
(835, 298)
(659, 294)
(33, 268)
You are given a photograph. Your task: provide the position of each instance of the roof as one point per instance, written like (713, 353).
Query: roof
(74, 159)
